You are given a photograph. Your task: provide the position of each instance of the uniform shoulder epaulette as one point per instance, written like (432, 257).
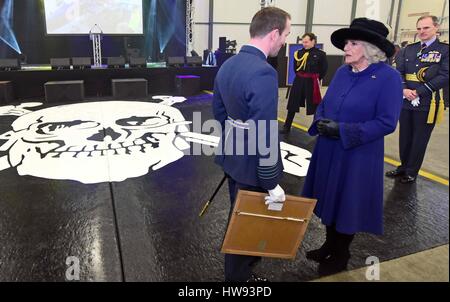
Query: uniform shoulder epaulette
(445, 43)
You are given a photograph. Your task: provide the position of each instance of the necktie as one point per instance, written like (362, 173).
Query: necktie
(422, 48)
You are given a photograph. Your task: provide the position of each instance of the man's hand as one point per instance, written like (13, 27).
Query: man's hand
(409, 94)
(275, 195)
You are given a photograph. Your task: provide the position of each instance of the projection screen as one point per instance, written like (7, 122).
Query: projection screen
(78, 17)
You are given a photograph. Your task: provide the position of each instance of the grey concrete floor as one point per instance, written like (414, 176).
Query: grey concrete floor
(427, 266)
(430, 265)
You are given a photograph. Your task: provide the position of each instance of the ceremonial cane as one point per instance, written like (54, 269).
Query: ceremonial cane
(205, 207)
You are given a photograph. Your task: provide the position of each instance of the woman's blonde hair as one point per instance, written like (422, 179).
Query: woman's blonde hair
(373, 54)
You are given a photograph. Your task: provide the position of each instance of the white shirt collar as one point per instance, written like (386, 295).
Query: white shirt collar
(429, 42)
(257, 48)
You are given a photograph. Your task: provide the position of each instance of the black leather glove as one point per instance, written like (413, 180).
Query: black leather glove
(329, 128)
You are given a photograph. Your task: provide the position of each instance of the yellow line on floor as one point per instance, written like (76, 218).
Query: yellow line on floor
(421, 172)
(298, 126)
(388, 160)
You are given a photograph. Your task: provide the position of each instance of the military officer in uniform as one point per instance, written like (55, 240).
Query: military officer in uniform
(310, 68)
(424, 68)
(245, 96)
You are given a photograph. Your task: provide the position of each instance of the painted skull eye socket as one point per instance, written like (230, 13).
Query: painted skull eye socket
(144, 121)
(55, 127)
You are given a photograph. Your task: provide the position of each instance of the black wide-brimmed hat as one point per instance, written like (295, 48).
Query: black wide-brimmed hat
(364, 29)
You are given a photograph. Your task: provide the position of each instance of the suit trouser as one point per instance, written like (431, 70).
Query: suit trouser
(289, 120)
(415, 134)
(238, 268)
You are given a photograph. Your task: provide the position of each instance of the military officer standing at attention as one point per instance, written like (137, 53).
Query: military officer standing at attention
(310, 67)
(424, 68)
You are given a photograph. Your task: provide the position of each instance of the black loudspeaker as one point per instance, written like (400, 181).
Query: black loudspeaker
(6, 92)
(115, 62)
(129, 88)
(221, 57)
(64, 91)
(60, 63)
(9, 64)
(194, 61)
(175, 61)
(222, 44)
(133, 52)
(81, 63)
(187, 85)
(205, 55)
(138, 62)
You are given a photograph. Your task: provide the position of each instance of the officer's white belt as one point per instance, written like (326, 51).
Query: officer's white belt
(238, 124)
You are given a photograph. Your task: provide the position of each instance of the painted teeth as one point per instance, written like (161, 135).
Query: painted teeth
(89, 148)
(139, 142)
(115, 146)
(103, 147)
(62, 149)
(86, 153)
(76, 149)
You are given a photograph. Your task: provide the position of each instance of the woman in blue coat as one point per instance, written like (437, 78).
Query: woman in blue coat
(361, 106)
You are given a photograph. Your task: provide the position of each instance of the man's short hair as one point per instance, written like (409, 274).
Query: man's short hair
(311, 36)
(434, 18)
(268, 19)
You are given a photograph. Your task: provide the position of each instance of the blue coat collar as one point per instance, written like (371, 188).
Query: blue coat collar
(254, 51)
(368, 71)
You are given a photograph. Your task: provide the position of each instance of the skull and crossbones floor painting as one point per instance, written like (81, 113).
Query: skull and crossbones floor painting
(113, 140)
(110, 185)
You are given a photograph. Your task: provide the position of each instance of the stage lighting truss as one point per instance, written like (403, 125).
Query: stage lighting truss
(190, 22)
(231, 46)
(266, 3)
(96, 36)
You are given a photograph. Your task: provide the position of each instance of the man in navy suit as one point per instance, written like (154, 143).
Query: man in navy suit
(245, 103)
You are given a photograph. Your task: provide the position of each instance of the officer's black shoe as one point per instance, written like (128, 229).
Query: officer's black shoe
(255, 278)
(395, 173)
(408, 179)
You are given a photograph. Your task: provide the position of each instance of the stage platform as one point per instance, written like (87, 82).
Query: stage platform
(29, 81)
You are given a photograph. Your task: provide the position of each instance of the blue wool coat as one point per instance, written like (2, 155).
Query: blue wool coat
(246, 90)
(346, 174)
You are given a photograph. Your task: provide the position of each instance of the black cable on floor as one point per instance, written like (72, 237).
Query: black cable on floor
(116, 226)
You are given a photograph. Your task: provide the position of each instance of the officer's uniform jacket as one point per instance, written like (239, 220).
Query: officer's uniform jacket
(245, 93)
(412, 63)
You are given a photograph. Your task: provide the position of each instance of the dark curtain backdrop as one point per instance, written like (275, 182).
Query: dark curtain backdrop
(164, 30)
